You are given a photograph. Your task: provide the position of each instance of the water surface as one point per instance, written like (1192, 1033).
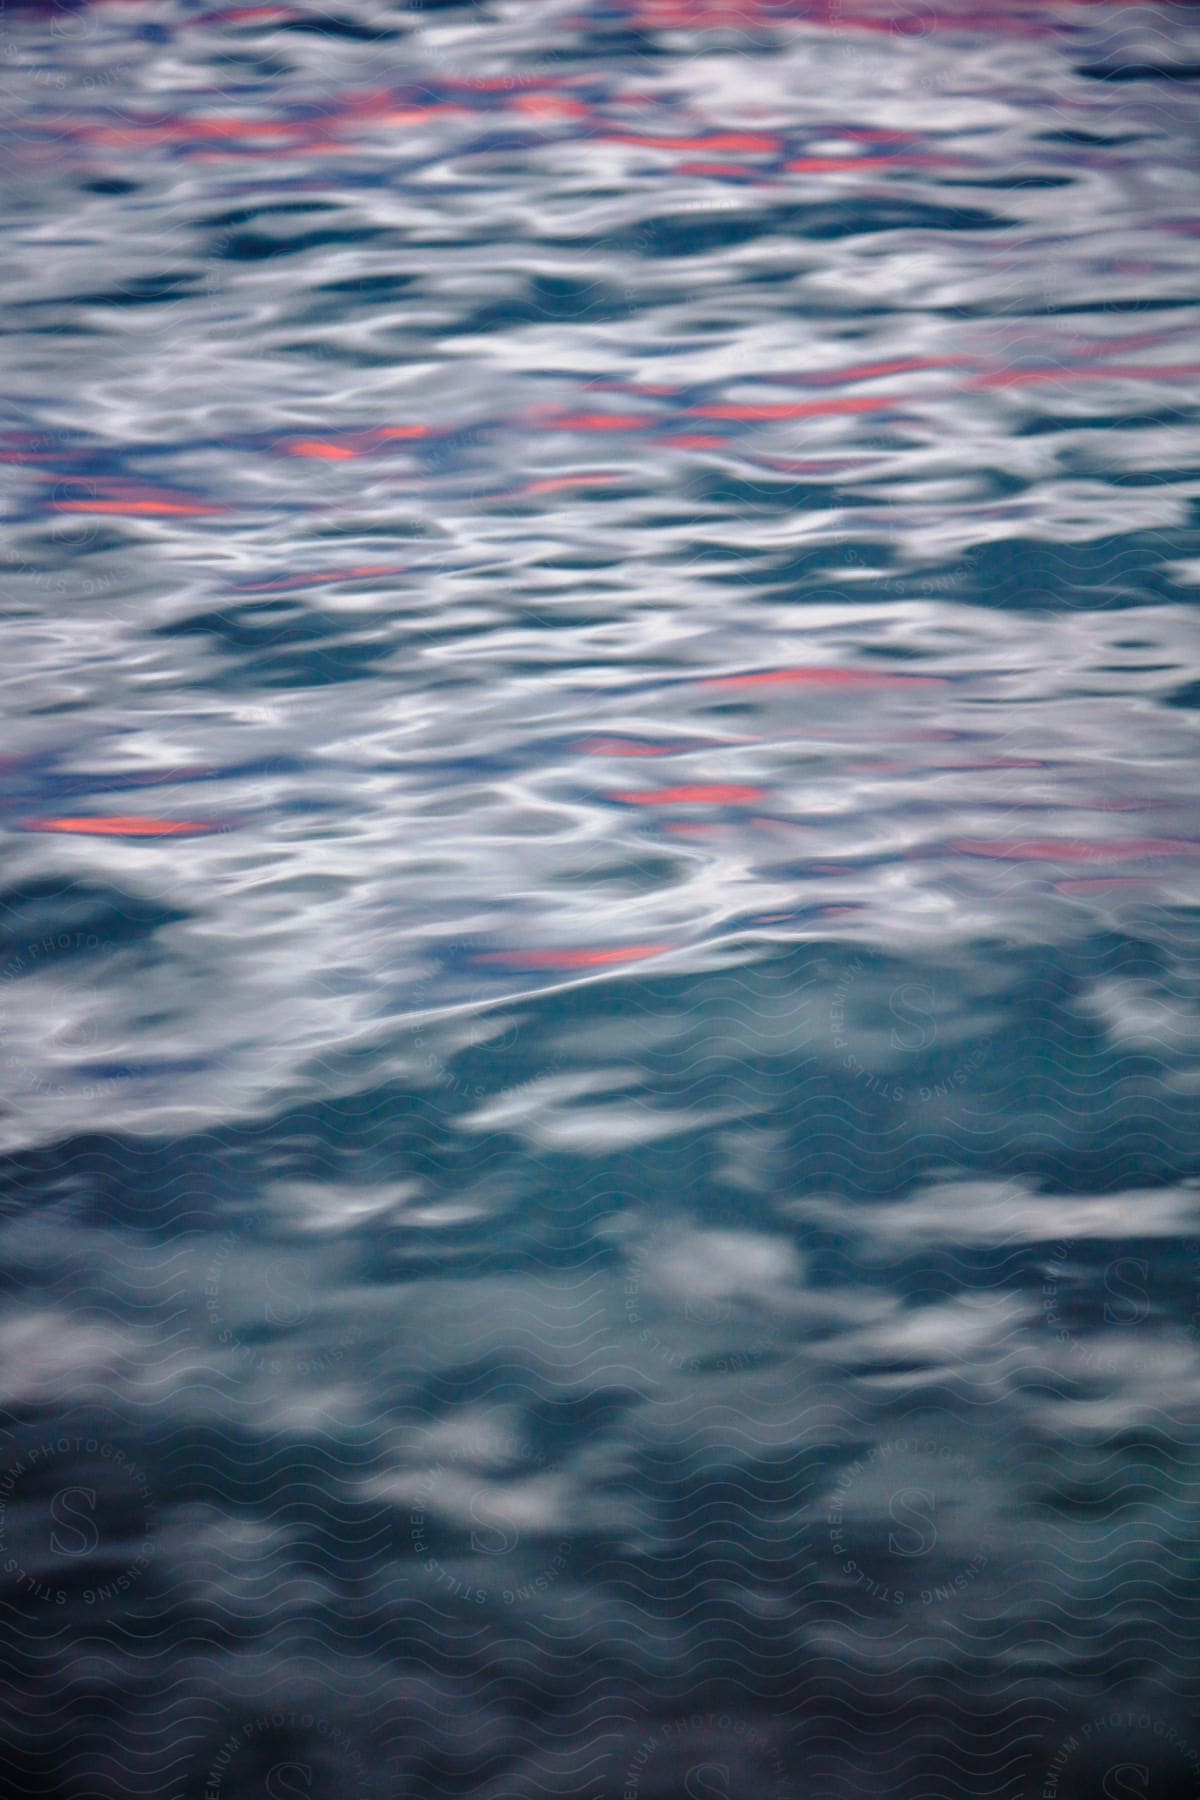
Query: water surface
(600, 1006)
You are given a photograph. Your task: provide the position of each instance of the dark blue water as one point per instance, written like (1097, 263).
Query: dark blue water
(601, 1009)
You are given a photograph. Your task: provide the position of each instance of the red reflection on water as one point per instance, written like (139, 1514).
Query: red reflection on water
(316, 447)
(350, 444)
(554, 421)
(849, 165)
(284, 583)
(228, 134)
(131, 499)
(700, 794)
(123, 826)
(154, 509)
(137, 133)
(24, 447)
(326, 452)
(551, 106)
(750, 143)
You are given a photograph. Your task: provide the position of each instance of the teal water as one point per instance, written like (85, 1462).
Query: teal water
(600, 1031)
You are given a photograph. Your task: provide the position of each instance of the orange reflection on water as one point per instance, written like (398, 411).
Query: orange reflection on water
(554, 484)
(573, 959)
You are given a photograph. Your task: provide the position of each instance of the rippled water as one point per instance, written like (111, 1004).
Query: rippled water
(600, 1006)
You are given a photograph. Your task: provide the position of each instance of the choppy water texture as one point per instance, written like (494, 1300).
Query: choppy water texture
(600, 1016)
